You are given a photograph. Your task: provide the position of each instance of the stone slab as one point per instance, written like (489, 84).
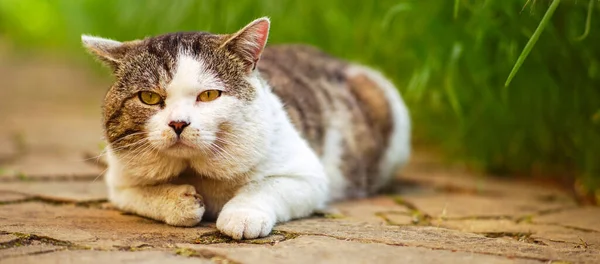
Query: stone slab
(319, 249)
(67, 191)
(9, 196)
(8, 148)
(9, 253)
(532, 233)
(466, 205)
(435, 238)
(48, 165)
(102, 257)
(587, 218)
(97, 228)
(5, 238)
(368, 210)
(430, 177)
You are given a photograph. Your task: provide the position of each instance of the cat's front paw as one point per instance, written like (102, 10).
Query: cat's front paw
(245, 223)
(187, 209)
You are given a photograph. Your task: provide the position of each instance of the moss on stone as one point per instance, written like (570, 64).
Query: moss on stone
(212, 238)
(186, 252)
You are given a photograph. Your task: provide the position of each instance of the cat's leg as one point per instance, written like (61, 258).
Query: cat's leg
(151, 195)
(259, 205)
(177, 205)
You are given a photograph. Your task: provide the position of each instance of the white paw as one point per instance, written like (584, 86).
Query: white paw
(245, 223)
(187, 209)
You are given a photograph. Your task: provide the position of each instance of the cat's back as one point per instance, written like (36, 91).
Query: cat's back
(352, 116)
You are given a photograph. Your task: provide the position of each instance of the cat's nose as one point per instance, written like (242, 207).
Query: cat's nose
(178, 126)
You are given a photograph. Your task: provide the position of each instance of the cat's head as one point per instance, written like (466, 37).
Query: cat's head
(184, 94)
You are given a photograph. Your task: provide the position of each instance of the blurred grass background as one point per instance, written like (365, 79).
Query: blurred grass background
(450, 59)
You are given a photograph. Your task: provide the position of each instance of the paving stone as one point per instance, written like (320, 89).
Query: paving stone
(106, 229)
(532, 233)
(53, 127)
(9, 196)
(102, 257)
(8, 148)
(368, 210)
(8, 253)
(587, 218)
(67, 191)
(436, 238)
(465, 205)
(43, 165)
(429, 176)
(7, 238)
(482, 225)
(398, 218)
(316, 249)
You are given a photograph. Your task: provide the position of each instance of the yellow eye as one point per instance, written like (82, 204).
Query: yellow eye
(209, 95)
(149, 98)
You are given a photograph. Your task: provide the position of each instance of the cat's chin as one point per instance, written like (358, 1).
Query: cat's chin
(182, 150)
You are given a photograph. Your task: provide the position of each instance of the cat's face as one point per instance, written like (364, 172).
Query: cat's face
(184, 94)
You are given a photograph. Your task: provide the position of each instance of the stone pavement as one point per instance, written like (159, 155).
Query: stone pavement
(53, 207)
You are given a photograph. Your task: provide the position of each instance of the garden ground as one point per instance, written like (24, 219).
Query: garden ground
(53, 206)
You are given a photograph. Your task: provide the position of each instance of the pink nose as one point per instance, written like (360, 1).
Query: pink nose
(178, 126)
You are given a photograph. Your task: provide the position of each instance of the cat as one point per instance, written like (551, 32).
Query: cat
(204, 126)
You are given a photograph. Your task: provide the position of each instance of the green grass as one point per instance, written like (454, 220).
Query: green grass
(450, 59)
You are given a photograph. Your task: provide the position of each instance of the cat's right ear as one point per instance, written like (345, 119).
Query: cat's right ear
(109, 51)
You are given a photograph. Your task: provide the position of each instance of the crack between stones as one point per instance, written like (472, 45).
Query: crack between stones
(28, 239)
(569, 227)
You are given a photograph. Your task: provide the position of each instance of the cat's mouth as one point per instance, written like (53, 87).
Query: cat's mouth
(181, 144)
(182, 149)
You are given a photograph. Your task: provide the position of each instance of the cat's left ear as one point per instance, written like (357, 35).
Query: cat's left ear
(109, 51)
(249, 42)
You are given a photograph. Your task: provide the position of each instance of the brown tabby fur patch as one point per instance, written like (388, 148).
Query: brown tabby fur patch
(313, 86)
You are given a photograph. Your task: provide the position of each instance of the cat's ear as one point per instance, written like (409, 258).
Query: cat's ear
(109, 51)
(249, 42)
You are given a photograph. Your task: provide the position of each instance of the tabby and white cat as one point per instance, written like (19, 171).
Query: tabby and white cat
(198, 128)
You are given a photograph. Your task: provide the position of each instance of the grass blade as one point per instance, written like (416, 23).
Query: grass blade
(532, 40)
(456, 6)
(588, 21)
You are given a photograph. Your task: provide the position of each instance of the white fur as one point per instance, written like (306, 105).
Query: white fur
(398, 151)
(262, 174)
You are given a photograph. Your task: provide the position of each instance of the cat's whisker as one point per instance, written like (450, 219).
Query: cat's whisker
(224, 153)
(142, 150)
(247, 147)
(134, 150)
(105, 150)
(138, 152)
(100, 174)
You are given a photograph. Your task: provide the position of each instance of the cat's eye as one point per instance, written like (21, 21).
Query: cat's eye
(149, 98)
(208, 95)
